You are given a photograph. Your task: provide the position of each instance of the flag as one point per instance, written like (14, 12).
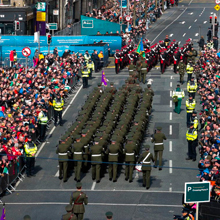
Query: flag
(3, 214)
(140, 48)
(104, 80)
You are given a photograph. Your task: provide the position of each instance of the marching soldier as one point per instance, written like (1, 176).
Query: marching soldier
(145, 158)
(58, 104)
(190, 106)
(157, 139)
(96, 158)
(130, 151)
(194, 55)
(78, 199)
(85, 76)
(113, 152)
(131, 69)
(117, 62)
(30, 149)
(138, 67)
(191, 137)
(142, 76)
(181, 68)
(86, 141)
(109, 215)
(69, 215)
(42, 121)
(179, 94)
(192, 87)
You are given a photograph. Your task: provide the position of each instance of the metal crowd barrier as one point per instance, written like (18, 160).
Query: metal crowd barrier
(21, 61)
(75, 29)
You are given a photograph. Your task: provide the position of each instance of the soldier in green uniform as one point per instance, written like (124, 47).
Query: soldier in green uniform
(113, 152)
(96, 157)
(146, 158)
(86, 141)
(157, 139)
(131, 69)
(78, 157)
(130, 151)
(181, 69)
(78, 199)
(194, 55)
(109, 215)
(69, 215)
(63, 151)
(142, 76)
(138, 67)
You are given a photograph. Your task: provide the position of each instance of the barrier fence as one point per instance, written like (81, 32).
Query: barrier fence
(74, 29)
(21, 61)
(16, 168)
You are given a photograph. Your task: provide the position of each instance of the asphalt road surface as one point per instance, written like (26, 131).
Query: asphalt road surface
(44, 197)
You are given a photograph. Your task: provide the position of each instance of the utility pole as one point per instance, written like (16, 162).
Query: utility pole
(213, 25)
(134, 13)
(146, 4)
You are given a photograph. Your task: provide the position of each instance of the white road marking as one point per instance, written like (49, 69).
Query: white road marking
(195, 20)
(205, 22)
(171, 84)
(183, 22)
(179, 42)
(171, 130)
(57, 174)
(170, 103)
(171, 77)
(202, 12)
(168, 25)
(191, 13)
(92, 204)
(170, 146)
(171, 35)
(171, 115)
(190, 3)
(190, 27)
(170, 93)
(184, 34)
(170, 166)
(93, 186)
(197, 34)
(170, 189)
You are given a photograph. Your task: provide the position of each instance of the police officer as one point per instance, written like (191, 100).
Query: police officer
(69, 215)
(190, 106)
(157, 139)
(91, 67)
(109, 215)
(58, 104)
(63, 151)
(181, 68)
(87, 57)
(179, 93)
(145, 158)
(195, 120)
(191, 137)
(78, 199)
(30, 149)
(192, 87)
(189, 70)
(85, 76)
(42, 121)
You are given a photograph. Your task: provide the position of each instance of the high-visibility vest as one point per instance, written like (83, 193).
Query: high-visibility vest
(191, 87)
(90, 66)
(190, 106)
(30, 148)
(58, 104)
(85, 73)
(43, 119)
(195, 122)
(189, 69)
(191, 135)
(87, 57)
(180, 94)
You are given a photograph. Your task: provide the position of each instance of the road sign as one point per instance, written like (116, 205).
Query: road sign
(127, 18)
(217, 7)
(26, 51)
(87, 24)
(53, 26)
(197, 192)
(55, 11)
(41, 6)
(217, 2)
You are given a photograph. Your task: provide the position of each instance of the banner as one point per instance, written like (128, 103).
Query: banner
(124, 3)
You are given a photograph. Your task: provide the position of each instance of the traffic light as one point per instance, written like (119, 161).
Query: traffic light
(17, 25)
(49, 38)
(210, 19)
(216, 19)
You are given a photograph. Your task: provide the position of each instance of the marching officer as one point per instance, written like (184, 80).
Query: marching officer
(191, 137)
(142, 76)
(85, 76)
(42, 121)
(58, 104)
(69, 215)
(192, 87)
(190, 106)
(96, 158)
(109, 215)
(181, 68)
(145, 158)
(138, 67)
(113, 152)
(131, 69)
(157, 139)
(30, 149)
(130, 151)
(78, 199)
(63, 151)
(179, 94)
(91, 67)
(189, 70)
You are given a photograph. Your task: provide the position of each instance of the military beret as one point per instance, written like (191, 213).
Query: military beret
(159, 128)
(111, 83)
(147, 147)
(68, 208)
(99, 84)
(78, 137)
(97, 139)
(63, 138)
(84, 131)
(100, 134)
(109, 214)
(79, 184)
(27, 217)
